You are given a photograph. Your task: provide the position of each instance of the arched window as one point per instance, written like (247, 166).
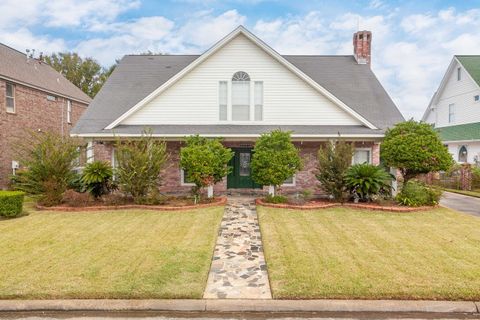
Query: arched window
(241, 96)
(241, 76)
(462, 154)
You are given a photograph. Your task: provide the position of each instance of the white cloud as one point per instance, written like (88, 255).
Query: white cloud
(23, 39)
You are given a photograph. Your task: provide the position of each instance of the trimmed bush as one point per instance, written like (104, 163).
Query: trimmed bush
(11, 203)
(276, 199)
(415, 194)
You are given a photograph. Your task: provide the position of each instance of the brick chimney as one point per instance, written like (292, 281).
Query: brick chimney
(362, 46)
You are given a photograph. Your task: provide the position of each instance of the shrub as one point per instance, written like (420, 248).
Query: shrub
(204, 161)
(274, 159)
(415, 193)
(139, 163)
(333, 162)
(276, 199)
(77, 199)
(11, 203)
(48, 161)
(414, 148)
(97, 178)
(367, 180)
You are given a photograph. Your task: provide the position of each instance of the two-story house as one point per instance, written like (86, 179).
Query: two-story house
(237, 90)
(33, 97)
(455, 109)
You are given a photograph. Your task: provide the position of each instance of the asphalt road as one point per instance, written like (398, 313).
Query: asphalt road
(459, 202)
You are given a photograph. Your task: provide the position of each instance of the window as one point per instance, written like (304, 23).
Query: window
(258, 95)
(290, 182)
(10, 97)
(362, 155)
(184, 180)
(241, 96)
(451, 113)
(223, 100)
(69, 111)
(476, 98)
(51, 98)
(459, 74)
(463, 154)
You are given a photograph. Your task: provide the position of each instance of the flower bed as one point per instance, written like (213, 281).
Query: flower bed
(216, 202)
(316, 204)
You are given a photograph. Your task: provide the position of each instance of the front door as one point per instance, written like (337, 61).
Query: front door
(240, 176)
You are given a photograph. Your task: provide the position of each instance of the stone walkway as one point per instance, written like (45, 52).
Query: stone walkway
(238, 268)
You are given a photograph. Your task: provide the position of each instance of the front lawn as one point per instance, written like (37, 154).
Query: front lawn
(360, 254)
(111, 254)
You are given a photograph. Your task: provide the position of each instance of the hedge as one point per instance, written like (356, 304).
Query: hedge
(11, 203)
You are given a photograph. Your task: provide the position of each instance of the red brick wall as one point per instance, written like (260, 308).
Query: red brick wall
(33, 112)
(305, 179)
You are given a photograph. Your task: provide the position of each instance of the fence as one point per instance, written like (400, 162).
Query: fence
(461, 177)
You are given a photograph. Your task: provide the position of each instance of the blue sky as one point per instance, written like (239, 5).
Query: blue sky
(413, 41)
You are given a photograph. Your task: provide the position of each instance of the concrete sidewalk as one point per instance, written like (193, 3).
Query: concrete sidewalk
(212, 306)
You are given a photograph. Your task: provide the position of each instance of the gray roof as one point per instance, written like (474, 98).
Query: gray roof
(137, 76)
(15, 66)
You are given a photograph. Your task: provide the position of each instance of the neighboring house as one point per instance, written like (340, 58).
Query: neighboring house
(237, 90)
(455, 109)
(33, 97)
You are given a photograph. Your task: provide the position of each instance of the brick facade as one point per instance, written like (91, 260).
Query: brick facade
(33, 112)
(304, 180)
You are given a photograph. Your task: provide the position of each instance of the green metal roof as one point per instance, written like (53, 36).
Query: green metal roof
(472, 65)
(469, 131)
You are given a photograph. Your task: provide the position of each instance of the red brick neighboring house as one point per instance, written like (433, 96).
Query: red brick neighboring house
(33, 96)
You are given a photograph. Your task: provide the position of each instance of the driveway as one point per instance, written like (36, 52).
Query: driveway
(459, 202)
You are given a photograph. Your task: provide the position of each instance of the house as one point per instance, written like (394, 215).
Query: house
(237, 90)
(35, 97)
(455, 109)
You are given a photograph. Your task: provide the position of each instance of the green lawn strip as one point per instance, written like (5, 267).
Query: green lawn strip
(475, 194)
(110, 254)
(361, 254)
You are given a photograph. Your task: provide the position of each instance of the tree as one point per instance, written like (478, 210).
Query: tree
(139, 163)
(275, 159)
(334, 159)
(86, 73)
(414, 148)
(205, 162)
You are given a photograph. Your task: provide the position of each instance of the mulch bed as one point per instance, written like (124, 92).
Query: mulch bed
(216, 202)
(319, 204)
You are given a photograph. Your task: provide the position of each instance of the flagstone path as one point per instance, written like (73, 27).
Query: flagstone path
(238, 268)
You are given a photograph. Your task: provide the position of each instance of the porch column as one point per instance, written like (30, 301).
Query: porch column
(90, 153)
(376, 153)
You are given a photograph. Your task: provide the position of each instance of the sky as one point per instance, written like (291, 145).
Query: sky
(413, 41)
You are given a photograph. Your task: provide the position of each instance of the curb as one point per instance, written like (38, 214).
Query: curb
(391, 306)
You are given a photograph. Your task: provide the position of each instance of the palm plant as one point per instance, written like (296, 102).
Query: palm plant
(97, 178)
(367, 180)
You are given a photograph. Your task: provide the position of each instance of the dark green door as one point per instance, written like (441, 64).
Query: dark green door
(240, 177)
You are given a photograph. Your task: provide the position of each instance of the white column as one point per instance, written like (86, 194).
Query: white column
(210, 191)
(90, 153)
(271, 190)
(393, 171)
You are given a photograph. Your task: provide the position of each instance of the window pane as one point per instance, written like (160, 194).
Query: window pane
(288, 181)
(240, 100)
(244, 164)
(9, 90)
(258, 101)
(222, 98)
(10, 104)
(361, 156)
(185, 178)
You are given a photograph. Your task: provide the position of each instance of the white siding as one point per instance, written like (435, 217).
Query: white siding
(473, 149)
(286, 100)
(461, 94)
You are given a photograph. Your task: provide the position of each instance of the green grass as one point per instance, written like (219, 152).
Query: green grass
(473, 193)
(115, 254)
(360, 254)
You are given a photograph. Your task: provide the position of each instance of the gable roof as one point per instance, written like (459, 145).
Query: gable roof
(137, 77)
(462, 132)
(15, 66)
(472, 65)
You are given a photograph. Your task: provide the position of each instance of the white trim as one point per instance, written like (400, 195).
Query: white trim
(69, 111)
(44, 90)
(215, 48)
(293, 184)
(182, 179)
